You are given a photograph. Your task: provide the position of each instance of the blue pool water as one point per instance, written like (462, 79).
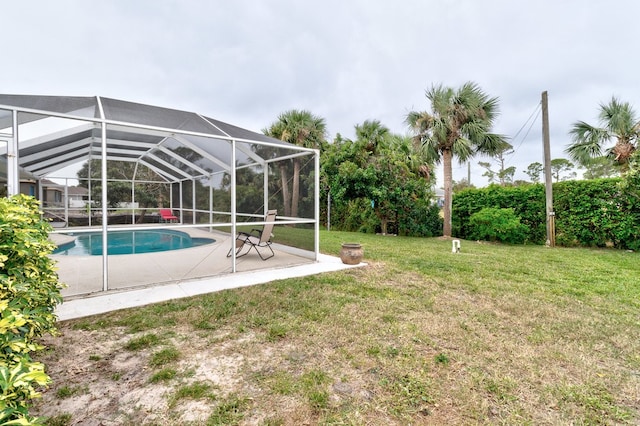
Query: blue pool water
(130, 242)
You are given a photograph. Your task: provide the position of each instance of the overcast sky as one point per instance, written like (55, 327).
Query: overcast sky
(247, 61)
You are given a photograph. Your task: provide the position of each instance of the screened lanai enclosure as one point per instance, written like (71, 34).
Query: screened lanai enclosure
(107, 170)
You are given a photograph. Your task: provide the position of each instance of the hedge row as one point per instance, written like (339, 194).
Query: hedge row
(527, 202)
(357, 216)
(29, 292)
(589, 213)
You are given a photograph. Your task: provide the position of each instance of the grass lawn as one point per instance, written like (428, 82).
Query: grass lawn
(492, 335)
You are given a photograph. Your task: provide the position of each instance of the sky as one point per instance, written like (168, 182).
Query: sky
(247, 61)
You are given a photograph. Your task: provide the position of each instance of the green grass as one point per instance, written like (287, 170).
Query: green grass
(165, 374)
(492, 335)
(59, 420)
(193, 391)
(228, 412)
(300, 236)
(164, 357)
(143, 342)
(69, 391)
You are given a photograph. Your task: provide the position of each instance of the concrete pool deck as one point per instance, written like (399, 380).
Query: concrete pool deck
(141, 279)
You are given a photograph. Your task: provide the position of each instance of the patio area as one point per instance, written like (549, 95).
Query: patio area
(140, 279)
(83, 274)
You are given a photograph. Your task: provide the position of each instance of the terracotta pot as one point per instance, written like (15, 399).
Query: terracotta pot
(351, 253)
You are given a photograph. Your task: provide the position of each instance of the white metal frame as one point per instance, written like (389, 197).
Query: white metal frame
(98, 148)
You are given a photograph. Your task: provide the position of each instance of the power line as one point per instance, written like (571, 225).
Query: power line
(536, 111)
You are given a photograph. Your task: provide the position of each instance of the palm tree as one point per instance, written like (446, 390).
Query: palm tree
(300, 128)
(370, 134)
(414, 155)
(618, 123)
(458, 125)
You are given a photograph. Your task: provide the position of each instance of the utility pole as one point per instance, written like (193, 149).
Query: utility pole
(469, 173)
(548, 179)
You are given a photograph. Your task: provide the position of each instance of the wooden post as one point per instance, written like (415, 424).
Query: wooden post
(548, 179)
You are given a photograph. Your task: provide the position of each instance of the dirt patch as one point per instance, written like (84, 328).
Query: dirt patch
(99, 382)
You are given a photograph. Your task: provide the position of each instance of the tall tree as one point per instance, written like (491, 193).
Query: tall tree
(458, 125)
(150, 189)
(601, 167)
(618, 124)
(504, 175)
(462, 184)
(388, 172)
(489, 174)
(301, 128)
(534, 171)
(371, 134)
(560, 166)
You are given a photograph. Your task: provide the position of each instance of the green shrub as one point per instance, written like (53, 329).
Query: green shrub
(527, 202)
(597, 213)
(419, 218)
(501, 225)
(354, 216)
(589, 213)
(29, 292)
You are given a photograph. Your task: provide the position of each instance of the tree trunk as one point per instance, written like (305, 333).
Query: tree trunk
(448, 192)
(140, 220)
(286, 197)
(383, 226)
(295, 192)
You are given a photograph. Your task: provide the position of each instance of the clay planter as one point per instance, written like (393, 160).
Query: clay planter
(351, 253)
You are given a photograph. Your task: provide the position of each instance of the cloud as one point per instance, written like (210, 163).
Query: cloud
(247, 61)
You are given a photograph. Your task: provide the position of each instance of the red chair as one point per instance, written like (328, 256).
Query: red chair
(166, 215)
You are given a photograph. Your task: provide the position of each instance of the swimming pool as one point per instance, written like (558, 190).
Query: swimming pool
(130, 242)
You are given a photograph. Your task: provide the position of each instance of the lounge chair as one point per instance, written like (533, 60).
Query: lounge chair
(166, 215)
(259, 239)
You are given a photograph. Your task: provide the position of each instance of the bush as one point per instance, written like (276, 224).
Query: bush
(417, 219)
(527, 202)
(597, 213)
(29, 292)
(420, 220)
(501, 225)
(589, 213)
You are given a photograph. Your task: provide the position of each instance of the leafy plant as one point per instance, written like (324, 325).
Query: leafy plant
(29, 293)
(500, 225)
(379, 183)
(527, 202)
(442, 358)
(589, 213)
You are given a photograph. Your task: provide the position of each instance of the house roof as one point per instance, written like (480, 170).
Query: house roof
(58, 131)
